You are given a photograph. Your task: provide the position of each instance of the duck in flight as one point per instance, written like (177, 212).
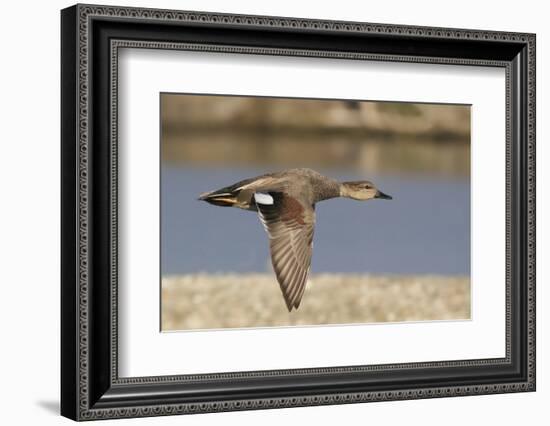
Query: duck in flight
(285, 202)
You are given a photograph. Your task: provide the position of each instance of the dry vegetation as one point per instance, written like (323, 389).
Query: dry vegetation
(202, 301)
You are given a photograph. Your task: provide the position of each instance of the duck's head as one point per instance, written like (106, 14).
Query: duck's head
(361, 190)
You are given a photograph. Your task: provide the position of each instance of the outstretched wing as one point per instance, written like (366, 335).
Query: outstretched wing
(289, 224)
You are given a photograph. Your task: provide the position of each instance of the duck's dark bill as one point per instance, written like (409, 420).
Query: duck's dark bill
(380, 194)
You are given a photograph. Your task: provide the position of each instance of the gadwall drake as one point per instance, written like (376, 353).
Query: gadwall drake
(285, 202)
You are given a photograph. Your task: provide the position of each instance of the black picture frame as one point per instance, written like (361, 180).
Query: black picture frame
(90, 386)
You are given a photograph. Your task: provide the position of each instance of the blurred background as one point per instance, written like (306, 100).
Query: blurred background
(216, 271)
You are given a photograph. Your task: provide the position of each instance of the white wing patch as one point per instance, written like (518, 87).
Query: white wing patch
(265, 199)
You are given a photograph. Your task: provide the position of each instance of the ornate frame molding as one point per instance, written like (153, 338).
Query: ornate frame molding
(90, 400)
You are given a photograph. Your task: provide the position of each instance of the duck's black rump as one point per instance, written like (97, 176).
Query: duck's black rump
(227, 196)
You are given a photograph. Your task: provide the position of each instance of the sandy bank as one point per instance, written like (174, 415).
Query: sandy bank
(200, 301)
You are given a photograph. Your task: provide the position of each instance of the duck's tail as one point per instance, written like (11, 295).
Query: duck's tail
(217, 198)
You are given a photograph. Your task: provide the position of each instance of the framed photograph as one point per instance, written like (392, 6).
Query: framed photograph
(263, 212)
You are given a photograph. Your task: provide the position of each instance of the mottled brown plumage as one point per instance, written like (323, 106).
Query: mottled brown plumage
(285, 202)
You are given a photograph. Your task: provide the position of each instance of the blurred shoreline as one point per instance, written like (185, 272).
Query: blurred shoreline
(369, 137)
(214, 301)
(363, 158)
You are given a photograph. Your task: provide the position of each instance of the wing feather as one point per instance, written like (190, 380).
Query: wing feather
(290, 226)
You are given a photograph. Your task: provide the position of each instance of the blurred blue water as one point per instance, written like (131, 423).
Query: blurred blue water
(424, 229)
